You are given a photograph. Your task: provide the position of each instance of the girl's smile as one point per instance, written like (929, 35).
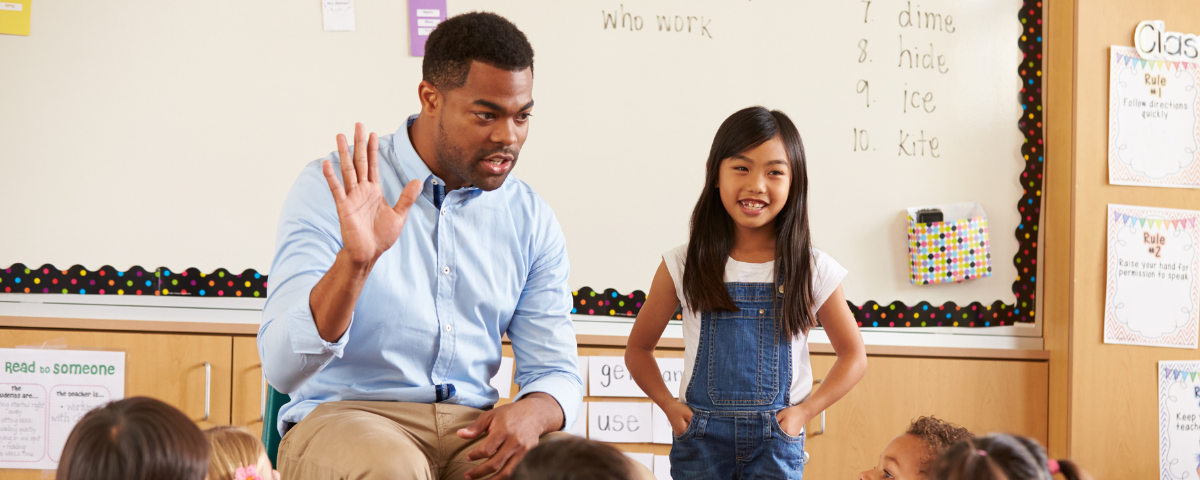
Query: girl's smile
(752, 206)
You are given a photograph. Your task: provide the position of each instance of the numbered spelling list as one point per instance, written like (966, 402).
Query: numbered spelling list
(925, 80)
(44, 393)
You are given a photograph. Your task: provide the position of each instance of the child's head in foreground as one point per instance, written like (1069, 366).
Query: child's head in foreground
(136, 438)
(574, 458)
(237, 455)
(1001, 457)
(909, 456)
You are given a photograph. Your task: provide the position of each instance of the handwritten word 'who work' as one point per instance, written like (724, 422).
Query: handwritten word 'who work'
(619, 20)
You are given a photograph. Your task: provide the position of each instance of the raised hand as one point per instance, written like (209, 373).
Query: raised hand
(369, 225)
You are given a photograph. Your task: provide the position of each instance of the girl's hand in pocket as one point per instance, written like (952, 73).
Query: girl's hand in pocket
(792, 419)
(679, 415)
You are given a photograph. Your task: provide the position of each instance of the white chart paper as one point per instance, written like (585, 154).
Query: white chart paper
(1153, 285)
(646, 459)
(583, 373)
(581, 422)
(1154, 110)
(504, 377)
(608, 377)
(672, 373)
(44, 393)
(337, 15)
(662, 467)
(662, 426)
(1179, 419)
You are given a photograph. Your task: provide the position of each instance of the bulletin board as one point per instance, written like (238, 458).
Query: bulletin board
(148, 147)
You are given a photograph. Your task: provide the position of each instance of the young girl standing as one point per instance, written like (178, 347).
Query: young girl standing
(752, 287)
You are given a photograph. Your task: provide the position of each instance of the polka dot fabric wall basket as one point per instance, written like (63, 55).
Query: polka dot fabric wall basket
(952, 250)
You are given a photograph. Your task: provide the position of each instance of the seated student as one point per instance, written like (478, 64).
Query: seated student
(575, 458)
(237, 455)
(1002, 457)
(909, 456)
(136, 438)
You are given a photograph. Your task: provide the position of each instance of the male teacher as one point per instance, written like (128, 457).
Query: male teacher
(399, 268)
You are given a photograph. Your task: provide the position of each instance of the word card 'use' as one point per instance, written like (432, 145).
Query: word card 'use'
(619, 422)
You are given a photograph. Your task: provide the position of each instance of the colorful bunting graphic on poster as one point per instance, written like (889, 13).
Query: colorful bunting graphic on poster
(1128, 60)
(1124, 219)
(1176, 374)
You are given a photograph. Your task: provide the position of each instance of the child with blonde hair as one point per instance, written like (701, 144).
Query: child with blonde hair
(236, 454)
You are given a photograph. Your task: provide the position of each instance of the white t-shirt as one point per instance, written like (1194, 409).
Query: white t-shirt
(827, 275)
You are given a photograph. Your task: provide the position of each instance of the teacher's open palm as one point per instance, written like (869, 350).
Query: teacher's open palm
(369, 225)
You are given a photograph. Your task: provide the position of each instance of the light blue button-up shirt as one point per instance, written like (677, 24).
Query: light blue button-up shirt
(469, 267)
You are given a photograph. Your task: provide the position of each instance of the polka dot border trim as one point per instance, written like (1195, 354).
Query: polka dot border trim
(106, 280)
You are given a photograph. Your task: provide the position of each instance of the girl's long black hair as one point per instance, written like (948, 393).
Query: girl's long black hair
(713, 231)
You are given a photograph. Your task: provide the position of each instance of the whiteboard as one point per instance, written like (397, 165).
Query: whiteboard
(168, 133)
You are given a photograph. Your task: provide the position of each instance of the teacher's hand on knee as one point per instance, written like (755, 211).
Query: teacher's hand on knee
(512, 431)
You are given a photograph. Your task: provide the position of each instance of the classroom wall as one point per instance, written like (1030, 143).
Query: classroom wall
(188, 122)
(1112, 421)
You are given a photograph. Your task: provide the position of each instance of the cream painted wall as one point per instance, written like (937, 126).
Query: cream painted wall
(167, 133)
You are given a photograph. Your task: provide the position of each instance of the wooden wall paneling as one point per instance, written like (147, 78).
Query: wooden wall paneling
(247, 385)
(982, 395)
(1114, 414)
(1058, 228)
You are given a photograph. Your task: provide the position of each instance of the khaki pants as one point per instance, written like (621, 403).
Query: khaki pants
(386, 440)
(368, 440)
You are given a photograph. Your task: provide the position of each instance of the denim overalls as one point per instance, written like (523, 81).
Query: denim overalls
(741, 378)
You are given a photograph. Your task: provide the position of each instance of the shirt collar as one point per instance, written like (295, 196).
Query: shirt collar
(409, 162)
(413, 167)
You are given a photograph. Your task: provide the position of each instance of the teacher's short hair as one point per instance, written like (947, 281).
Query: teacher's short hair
(477, 36)
(136, 438)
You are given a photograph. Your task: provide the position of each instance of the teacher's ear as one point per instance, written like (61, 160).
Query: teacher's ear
(431, 98)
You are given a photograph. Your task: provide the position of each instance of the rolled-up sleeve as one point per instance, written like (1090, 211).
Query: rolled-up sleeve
(541, 332)
(307, 242)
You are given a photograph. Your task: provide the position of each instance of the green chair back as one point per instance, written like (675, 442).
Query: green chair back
(270, 433)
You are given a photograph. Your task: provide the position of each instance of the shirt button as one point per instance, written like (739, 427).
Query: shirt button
(435, 182)
(446, 270)
(760, 311)
(443, 211)
(448, 328)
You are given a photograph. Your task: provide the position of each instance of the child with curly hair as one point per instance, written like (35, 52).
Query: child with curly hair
(237, 455)
(909, 456)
